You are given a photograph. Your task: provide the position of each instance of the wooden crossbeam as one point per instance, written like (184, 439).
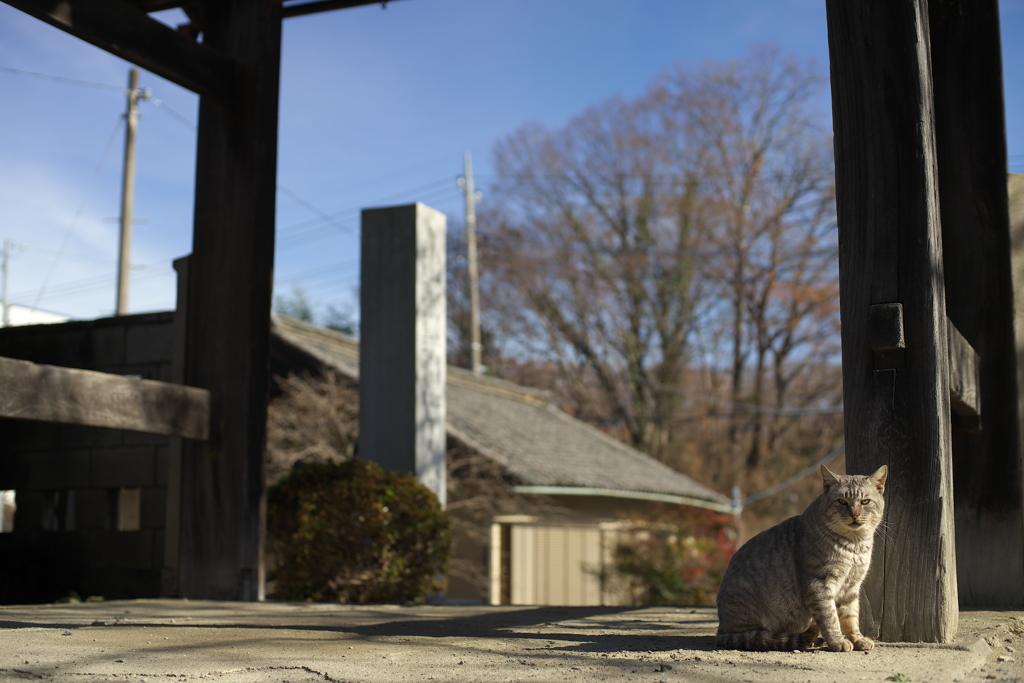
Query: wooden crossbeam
(123, 30)
(161, 5)
(96, 399)
(887, 340)
(964, 393)
(300, 9)
(296, 9)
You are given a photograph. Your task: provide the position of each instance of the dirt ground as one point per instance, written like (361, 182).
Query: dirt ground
(159, 640)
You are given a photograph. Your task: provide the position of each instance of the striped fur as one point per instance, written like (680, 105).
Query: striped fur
(802, 577)
(763, 640)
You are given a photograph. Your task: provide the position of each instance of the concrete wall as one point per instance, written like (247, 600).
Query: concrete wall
(403, 322)
(91, 503)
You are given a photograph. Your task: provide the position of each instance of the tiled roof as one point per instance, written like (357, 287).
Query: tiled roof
(515, 426)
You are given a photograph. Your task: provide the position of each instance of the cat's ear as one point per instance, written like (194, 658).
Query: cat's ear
(878, 478)
(827, 478)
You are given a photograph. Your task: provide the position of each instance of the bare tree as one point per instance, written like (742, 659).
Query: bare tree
(595, 265)
(674, 257)
(770, 262)
(312, 418)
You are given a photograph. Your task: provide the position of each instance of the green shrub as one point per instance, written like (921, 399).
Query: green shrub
(353, 532)
(676, 556)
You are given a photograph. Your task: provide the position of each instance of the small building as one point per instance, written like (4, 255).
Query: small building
(95, 514)
(567, 482)
(92, 503)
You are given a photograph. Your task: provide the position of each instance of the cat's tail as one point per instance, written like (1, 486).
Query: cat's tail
(762, 640)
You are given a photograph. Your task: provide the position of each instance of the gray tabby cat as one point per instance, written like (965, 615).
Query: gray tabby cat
(802, 577)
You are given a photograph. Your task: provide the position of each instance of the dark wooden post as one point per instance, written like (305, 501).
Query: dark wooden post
(897, 404)
(971, 143)
(228, 310)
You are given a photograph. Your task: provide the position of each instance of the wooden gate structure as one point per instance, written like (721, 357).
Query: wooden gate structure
(930, 384)
(927, 305)
(235, 71)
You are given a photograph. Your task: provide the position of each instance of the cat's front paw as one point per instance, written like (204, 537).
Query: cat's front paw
(841, 645)
(863, 643)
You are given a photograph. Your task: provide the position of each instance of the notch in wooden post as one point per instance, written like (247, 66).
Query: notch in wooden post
(885, 336)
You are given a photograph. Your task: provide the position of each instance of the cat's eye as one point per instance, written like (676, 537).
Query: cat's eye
(866, 501)
(841, 501)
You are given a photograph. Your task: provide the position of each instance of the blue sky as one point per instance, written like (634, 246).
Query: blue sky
(377, 108)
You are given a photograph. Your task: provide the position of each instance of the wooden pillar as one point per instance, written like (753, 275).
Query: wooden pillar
(971, 143)
(402, 358)
(896, 395)
(172, 513)
(1015, 190)
(228, 310)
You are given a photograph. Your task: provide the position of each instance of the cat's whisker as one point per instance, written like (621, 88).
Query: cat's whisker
(885, 532)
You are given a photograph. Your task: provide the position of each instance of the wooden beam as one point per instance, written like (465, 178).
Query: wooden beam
(964, 393)
(123, 30)
(161, 5)
(96, 399)
(891, 251)
(227, 335)
(316, 6)
(971, 144)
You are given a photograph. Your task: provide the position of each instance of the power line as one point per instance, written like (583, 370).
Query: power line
(316, 210)
(388, 177)
(835, 453)
(185, 121)
(78, 213)
(319, 230)
(62, 79)
(316, 223)
(103, 86)
(754, 407)
(97, 282)
(335, 269)
(160, 104)
(106, 261)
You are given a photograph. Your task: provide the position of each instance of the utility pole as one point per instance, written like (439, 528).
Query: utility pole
(5, 265)
(128, 190)
(472, 197)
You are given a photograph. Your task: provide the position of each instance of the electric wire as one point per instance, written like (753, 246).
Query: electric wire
(301, 228)
(388, 178)
(97, 282)
(806, 472)
(78, 213)
(328, 271)
(754, 407)
(320, 232)
(62, 79)
(163, 106)
(331, 220)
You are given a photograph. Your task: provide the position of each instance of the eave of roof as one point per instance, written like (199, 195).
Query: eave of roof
(516, 427)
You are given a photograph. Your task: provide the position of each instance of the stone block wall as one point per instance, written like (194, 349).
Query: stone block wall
(91, 502)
